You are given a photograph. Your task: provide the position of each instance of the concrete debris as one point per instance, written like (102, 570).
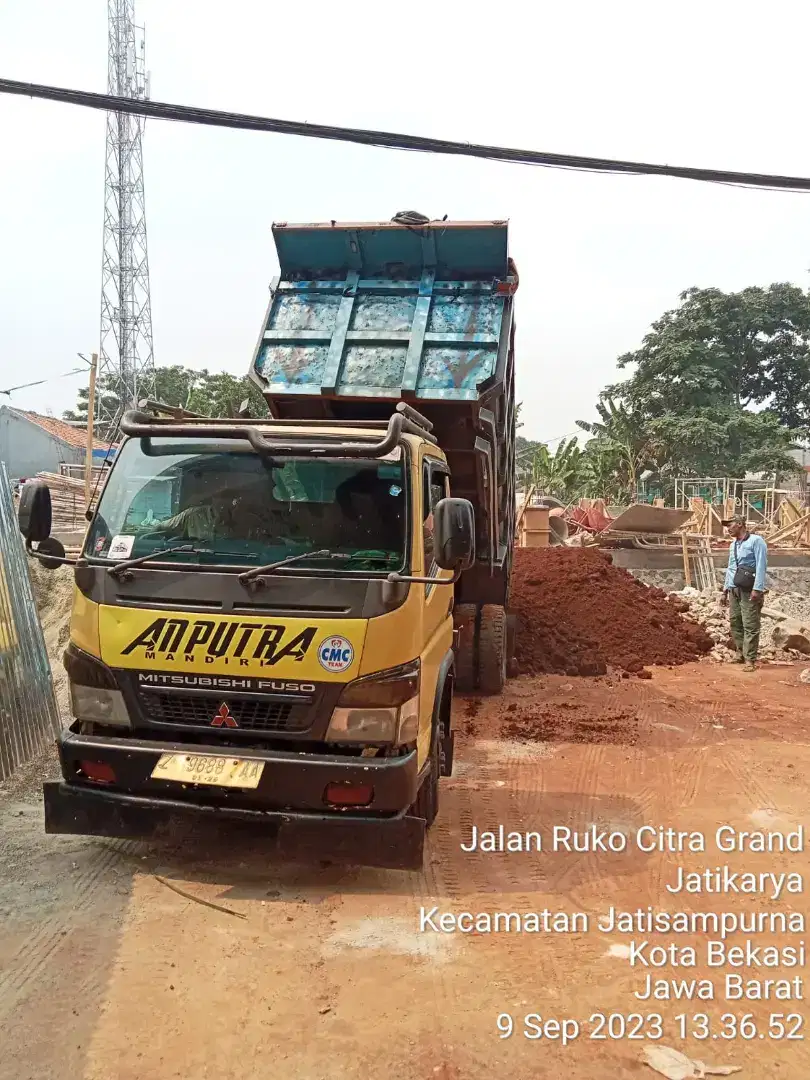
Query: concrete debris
(795, 605)
(774, 643)
(792, 636)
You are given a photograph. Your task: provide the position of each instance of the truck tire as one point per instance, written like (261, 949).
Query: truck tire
(492, 649)
(426, 804)
(464, 617)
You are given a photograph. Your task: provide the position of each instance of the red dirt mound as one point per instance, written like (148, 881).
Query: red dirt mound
(580, 615)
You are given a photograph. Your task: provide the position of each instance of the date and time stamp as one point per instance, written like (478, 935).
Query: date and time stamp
(640, 1027)
(738, 923)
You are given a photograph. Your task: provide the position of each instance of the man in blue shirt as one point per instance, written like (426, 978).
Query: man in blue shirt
(744, 589)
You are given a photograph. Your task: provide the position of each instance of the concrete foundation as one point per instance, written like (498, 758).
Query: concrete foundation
(787, 571)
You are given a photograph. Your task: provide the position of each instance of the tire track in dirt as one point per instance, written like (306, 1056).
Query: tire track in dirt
(516, 800)
(679, 775)
(37, 949)
(509, 789)
(428, 886)
(736, 762)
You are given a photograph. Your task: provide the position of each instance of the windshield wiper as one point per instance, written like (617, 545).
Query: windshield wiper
(260, 571)
(128, 564)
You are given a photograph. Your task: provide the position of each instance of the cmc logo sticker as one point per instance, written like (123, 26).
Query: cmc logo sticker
(335, 654)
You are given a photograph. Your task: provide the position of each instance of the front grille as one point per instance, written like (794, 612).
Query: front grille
(250, 714)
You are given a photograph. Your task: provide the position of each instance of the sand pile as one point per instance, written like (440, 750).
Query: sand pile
(580, 615)
(53, 591)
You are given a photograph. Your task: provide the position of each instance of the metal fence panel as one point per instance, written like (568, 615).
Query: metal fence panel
(28, 712)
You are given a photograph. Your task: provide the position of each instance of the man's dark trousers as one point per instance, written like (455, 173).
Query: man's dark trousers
(745, 616)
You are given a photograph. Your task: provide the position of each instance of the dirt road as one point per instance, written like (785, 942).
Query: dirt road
(106, 972)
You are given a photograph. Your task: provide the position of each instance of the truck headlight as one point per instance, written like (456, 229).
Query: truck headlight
(99, 706)
(381, 708)
(94, 693)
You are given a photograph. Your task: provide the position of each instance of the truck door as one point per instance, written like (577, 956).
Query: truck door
(437, 621)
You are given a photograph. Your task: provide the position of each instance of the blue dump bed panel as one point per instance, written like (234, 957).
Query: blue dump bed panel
(384, 312)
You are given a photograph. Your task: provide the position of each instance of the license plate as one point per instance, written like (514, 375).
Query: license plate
(209, 769)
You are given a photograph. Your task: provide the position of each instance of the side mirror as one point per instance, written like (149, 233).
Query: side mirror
(34, 512)
(454, 534)
(53, 547)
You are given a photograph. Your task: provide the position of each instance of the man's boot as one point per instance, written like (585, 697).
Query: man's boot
(749, 665)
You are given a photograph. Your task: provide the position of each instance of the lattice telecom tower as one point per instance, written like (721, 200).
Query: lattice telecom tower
(126, 360)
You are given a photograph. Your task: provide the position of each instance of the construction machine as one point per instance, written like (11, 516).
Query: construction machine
(271, 613)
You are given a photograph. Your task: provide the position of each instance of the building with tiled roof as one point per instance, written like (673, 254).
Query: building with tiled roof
(31, 443)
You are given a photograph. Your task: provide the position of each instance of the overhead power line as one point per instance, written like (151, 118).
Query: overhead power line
(39, 382)
(217, 118)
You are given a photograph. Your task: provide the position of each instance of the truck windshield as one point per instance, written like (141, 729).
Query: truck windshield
(237, 507)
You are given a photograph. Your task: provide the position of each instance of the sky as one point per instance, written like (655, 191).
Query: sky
(719, 84)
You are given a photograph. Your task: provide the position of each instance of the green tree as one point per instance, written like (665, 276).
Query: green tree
(623, 437)
(219, 394)
(558, 474)
(222, 394)
(723, 441)
(743, 349)
(601, 472)
(107, 400)
(721, 384)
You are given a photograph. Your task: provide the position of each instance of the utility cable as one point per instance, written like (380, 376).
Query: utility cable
(546, 442)
(393, 140)
(39, 382)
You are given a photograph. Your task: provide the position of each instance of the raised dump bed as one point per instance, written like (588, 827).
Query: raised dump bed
(365, 315)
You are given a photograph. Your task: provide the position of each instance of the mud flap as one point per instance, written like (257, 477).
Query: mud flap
(389, 843)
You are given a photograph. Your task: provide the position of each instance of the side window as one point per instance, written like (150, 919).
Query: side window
(434, 489)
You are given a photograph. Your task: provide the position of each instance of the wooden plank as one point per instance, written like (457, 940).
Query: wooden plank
(687, 573)
(526, 502)
(788, 530)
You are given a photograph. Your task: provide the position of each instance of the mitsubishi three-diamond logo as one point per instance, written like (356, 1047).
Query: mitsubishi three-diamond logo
(224, 718)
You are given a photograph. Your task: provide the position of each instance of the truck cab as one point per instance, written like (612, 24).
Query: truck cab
(265, 626)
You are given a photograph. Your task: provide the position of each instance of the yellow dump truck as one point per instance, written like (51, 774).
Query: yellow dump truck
(270, 614)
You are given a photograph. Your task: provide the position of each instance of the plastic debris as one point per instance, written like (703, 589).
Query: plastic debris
(677, 1066)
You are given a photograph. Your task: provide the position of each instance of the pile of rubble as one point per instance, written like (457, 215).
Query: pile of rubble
(796, 605)
(705, 608)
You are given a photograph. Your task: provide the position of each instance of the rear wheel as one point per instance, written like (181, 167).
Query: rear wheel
(492, 649)
(464, 617)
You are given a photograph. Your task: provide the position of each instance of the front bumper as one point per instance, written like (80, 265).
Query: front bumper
(287, 807)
